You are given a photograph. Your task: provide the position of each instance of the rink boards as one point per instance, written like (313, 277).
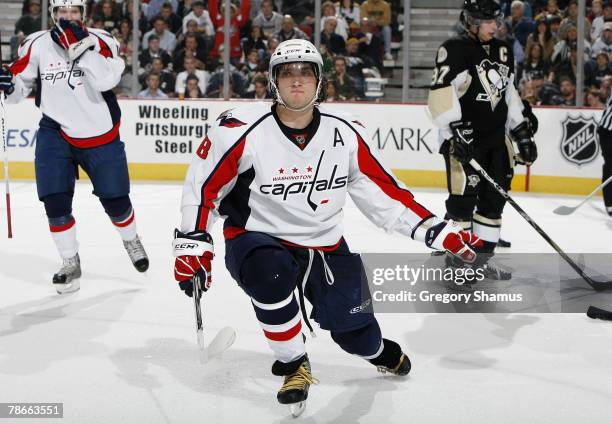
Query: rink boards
(161, 137)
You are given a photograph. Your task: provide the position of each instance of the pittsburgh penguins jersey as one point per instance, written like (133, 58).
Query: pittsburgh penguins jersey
(250, 171)
(474, 81)
(76, 95)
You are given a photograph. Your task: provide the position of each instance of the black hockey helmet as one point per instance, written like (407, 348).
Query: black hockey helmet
(475, 11)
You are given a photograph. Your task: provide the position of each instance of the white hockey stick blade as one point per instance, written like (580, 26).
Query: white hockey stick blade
(565, 210)
(222, 341)
(202, 347)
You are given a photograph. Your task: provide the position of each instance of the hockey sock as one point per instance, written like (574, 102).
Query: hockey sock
(365, 342)
(121, 214)
(488, 229)
(269, 276)
(58, 207)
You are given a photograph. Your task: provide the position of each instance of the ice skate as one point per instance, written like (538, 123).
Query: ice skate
(392, 359)
(66, 280)
(493, 271)
(294, 391)
(137, 254)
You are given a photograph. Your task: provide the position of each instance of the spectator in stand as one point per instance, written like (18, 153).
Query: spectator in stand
(260, 91)
(238, 19)
(555, 23)
(604, 42)
(334, 43)
(109, 16)
(562, 50)
(370, 44)
(238, 84)
(152, 8)
(154, 50)
(167, 40)
(331, 92)
(271, 46)
(193, 89)
(379, 12)
(175, 23)
(202, 18)
(166, 78)
(289, 31)
(128, 12)
(595, 99)
(568, 91)
(301, 10)
(191, 69)
(252, 66)
(596, 71)
(552, 9)
(520, 26)
(606, 86)
(572, 21)
(328, 9)
(124, 37)
(344, 83)
(350, 11)
(529, 92)
(542, 36)
(599, 21)
(30, 22)
(534, 62)
(595, 12)
(193, 49)
(568, 68)
(268, 20)
(152, 92)
(255, 41)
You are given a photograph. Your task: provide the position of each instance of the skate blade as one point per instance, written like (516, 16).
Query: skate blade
(297, 409)
(71, 287)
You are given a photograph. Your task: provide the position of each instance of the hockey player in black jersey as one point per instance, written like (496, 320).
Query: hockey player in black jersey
(474, 103)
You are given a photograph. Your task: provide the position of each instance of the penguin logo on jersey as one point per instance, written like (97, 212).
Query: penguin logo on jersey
(494, 80)
(579, 142)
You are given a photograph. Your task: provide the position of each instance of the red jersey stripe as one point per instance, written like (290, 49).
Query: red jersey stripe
(126, 222)
(283, 336)
(60, 228)
(98, 140)
(21, 63)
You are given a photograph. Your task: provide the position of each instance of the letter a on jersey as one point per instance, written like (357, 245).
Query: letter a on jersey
(337, 138)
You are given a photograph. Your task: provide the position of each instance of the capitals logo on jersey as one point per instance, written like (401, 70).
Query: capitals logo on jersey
(494, 79)
(226, 120)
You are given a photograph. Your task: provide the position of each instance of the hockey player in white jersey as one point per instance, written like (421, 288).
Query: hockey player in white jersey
(76, 69)
(279, 175)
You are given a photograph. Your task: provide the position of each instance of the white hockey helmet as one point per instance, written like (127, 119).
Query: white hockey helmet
(295, 51)
(54, 4)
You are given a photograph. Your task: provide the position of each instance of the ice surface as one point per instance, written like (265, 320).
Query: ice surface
(123, 349)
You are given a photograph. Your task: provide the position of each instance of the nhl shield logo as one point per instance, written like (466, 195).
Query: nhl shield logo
(579, 142)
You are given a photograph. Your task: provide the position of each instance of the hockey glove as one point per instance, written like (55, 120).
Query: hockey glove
(528, 113)
(193, 252)
(527, 149)
(461, 143)
(449, 236)
(73, 36)
(7, 86)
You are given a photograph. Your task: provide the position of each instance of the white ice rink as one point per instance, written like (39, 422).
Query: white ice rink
(122, 350)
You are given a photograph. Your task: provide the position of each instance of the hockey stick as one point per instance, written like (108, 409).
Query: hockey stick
(6, 165)
(566, 210)
(597, 313)
(224, 338)
(597, 285)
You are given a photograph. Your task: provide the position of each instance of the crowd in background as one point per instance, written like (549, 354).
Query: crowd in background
(181, 46)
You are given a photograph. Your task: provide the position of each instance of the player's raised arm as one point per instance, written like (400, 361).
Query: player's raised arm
(24, 70)
(102, 65)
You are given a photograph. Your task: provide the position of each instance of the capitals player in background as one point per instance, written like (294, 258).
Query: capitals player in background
(76, 69)
(279, 175)
(474, 103)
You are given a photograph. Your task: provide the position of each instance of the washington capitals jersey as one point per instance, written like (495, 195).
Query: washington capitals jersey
(474, 81)
(76, 95)
(249, 172)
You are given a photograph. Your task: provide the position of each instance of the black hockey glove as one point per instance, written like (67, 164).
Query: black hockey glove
(7, 86)
(461, 146)
(527, 149)
(528, 113)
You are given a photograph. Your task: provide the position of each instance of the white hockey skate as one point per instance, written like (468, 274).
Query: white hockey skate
(66, 280)
(137, 254)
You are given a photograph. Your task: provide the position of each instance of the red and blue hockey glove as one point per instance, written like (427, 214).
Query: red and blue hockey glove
(7, 86)
(449, 236)
(72, 36)
(194, 253)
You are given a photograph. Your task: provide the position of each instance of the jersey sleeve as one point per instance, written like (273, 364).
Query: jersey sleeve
(103, 66)
(210, 177)
(382, 198)
(25, 68)
(449, 82)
